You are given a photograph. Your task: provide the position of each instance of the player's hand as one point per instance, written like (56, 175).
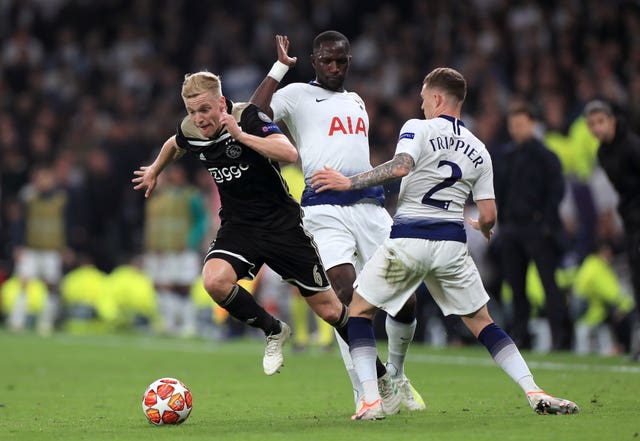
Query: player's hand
(231, 124)
(282, 44)
(476, 226)
(329, 179)
(146, 180)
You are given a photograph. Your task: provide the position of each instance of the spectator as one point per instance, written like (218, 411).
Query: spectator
(529, 187)
(619, 156)
(64, 66)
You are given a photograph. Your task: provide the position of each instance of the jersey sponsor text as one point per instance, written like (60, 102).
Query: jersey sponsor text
(338, 125)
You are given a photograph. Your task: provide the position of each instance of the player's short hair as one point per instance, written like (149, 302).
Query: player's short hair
(201, 82)
(598, 106)
(447, 80)
(330, 36)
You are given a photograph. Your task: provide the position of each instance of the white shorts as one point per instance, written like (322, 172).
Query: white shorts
(400, 265)
(40, 264)
(347, 234)
(180, 268)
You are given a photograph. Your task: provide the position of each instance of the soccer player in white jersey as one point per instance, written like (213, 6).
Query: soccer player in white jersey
(330, 126)
(441, 162)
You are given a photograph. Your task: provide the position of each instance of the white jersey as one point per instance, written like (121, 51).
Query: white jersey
(330, 128)
(450, 163)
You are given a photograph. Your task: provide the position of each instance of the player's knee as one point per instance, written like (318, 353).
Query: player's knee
(217, 288)
(330, 313)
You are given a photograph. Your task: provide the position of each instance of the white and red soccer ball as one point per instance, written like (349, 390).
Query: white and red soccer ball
(167, 401)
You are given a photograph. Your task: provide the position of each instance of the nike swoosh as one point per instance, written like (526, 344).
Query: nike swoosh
(318, 100)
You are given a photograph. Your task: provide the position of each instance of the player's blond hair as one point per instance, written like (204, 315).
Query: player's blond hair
(201, 82)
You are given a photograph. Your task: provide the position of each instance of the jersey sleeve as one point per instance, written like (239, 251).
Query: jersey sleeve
(483, 187)
(283, 101)
(255, 122)
(186, 130)
(410, 138)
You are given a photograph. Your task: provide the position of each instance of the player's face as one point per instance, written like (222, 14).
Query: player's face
(44, 180)
(602, 126)
(331, 62)
(205, 111)
(520, 127)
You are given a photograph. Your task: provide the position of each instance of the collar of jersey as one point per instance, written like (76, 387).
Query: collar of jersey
(315, 83)
(452, 119)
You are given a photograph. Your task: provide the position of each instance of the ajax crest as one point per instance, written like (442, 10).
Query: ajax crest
(233, 151)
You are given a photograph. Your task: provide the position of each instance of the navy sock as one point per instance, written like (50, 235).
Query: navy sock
(362, 333)
(494, 339)
(507, 356)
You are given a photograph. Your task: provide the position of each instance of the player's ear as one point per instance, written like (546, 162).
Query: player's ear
(223, 103)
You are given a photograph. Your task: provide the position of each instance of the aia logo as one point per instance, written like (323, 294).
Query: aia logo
(347, 126)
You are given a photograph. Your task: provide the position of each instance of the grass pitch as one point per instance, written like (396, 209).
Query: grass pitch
(90, 388)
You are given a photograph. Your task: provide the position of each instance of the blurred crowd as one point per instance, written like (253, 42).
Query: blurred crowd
(89, 90)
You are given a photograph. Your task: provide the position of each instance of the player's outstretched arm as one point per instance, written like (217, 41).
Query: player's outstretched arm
(147, 175)
(486, 217)
(330, 179)
(262, 95)
(275, 146)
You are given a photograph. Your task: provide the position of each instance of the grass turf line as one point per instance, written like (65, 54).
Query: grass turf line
(90, 388)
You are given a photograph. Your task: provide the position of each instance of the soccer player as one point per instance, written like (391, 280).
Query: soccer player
(41, 240)
(441, 162)
(330, 126)
(175, 225)
(260, 221)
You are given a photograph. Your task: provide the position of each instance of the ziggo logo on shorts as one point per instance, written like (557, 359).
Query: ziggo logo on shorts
(228, 173)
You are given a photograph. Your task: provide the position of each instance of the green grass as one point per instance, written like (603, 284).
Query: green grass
(90, 388)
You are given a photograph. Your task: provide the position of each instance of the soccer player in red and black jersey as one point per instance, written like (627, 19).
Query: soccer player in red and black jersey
(261, 223)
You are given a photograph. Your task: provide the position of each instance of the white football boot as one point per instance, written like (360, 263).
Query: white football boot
(273, 356)
(545, 404)
(390, 395)
(410, 398)
(369, 411)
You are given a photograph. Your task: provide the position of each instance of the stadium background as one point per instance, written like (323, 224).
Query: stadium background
(92, 87)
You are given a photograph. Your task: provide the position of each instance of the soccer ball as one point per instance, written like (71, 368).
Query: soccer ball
(167, 401)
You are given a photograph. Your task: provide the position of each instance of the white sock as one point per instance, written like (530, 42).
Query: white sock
(48, 315)
(527, 384)
(188, 310)
(399, 336)
(169, 305)
(364, 360)
(507, 356)
(362, 346)
(358, 391)
(18, 316)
